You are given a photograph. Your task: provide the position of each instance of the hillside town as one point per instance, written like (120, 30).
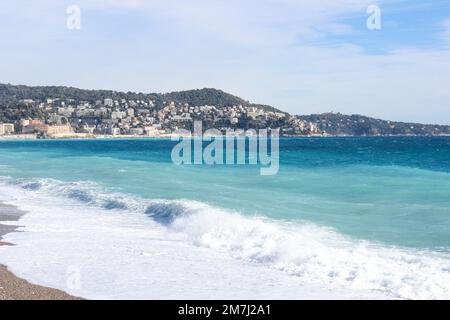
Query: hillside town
(122, 117)
(67, 112)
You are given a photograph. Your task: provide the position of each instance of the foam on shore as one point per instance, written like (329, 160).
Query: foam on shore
(8, 213)
(12, 287)
(119, 246)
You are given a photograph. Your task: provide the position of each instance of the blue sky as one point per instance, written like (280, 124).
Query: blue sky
(303, 56)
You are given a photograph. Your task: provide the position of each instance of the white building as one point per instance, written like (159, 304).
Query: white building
(108, 102)
(6, 128)
(130, 112)
(137, 131)
(151, 130)
(100, 112)
(118, 115)
(113, 131)
(66, 112)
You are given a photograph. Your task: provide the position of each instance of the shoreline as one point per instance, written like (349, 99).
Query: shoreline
(11, 286)
(168, 280)
(31, 137)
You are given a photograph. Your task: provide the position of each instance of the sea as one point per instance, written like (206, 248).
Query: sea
(344, 218)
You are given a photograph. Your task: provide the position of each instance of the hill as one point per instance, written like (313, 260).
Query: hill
(10, 94)
(358, 125)
(16, 104)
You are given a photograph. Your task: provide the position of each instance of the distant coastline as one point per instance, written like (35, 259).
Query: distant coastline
(66, 112)
(31, 137)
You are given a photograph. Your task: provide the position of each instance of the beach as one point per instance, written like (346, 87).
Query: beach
(132, 263)
(12, 137)
(12, 287)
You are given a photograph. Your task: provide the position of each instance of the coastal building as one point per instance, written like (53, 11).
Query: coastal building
(59, 129)
(108, 102)
(66, 112)
(130, 112)
(35, 122)
(100, 112)
(137, 131)
(87, 128)
(143, 111)
(113, 131)
(151, 131)
(85, 113)
(24, 122)
(35, 126)
(6, 128)
(32, 126)
(118, 115)
(181, 118)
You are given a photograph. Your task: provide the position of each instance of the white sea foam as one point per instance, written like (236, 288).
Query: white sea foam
(127, 247)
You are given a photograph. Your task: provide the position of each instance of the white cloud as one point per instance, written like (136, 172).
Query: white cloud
(264, 50)
(251, 22)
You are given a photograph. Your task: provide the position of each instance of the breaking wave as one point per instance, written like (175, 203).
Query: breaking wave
(313, 253)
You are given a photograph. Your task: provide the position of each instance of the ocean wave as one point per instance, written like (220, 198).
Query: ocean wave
(313, 253)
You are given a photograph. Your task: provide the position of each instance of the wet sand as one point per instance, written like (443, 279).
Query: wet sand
(12, 287)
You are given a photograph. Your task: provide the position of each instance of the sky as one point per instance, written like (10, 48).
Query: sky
(302, 56)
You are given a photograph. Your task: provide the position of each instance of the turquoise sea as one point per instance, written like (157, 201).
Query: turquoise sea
(386, 193)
